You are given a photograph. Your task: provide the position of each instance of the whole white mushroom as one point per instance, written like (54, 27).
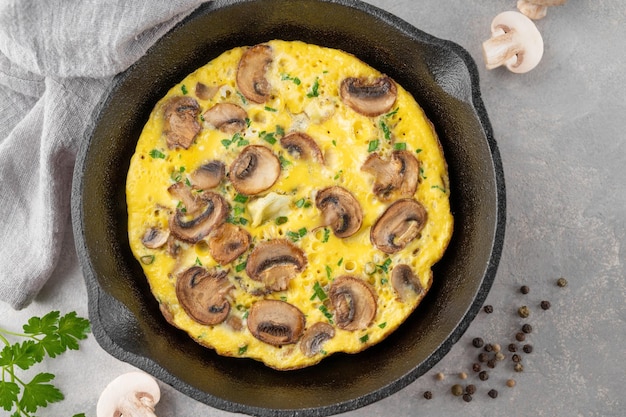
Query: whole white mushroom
(133, 394)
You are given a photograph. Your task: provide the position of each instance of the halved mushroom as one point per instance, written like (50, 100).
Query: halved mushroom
(369, 97)
(400, 224)
(354, 303)
(251, 78)
(181, 124)
(340, 210)
(314, 338)
(130, 394)
(275, 262)
(192, 227)
(202, 294)
(395, 178)
(155, 237)
(227, 117)
(255, 170)
(204, 92)
(208, 175)
(227, 242)
(302, 146)
(405, 282)
(275, 322)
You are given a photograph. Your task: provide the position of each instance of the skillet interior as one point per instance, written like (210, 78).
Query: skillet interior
(125, 317)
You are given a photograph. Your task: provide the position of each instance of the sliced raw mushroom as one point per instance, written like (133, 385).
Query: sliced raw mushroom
(400, 224)
(369, 97)
(181, 125)
(340, 210)
(395, 178)
(275, 322)
(275, 263)
(208, 175)
(227, 242)
(515, 43)
(537, 9)
(314, 338)
(155, 237)
(302, 146)
(203, 294)
(354, 303)
(204, 92)
(195, 226)
(254, 170)
(405, 282)
(251, 73)
(130, 394)
(227, 117)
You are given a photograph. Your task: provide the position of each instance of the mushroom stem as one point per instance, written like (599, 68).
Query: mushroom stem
(133, 394)
(500, 49)
(537, 9)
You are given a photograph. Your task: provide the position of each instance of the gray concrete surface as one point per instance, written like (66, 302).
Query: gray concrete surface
(560, 129)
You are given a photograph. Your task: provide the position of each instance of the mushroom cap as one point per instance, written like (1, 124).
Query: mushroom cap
(354, 303)
(208, 175)
(192, 227)
(251, 71)
(275, 262)
(204, 92)
(181, 125)
(130, 394)
(276, 322)
(227, 117)
(395, 178)
(302, 146)
(400, 224)
(314, 338)
(254, 170)
(202, 294)
(227, 242)
(155, 237)
(340, 210)
(405, 282)
(369, 97)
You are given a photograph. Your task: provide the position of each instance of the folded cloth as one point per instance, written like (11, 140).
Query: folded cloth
(57, 62)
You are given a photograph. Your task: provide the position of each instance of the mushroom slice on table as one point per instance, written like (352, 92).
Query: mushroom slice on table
(227, 242)
(202, 294)
(254, 170)
(276, 322)
(515, 43)
(208, 175)
(537, 9)
(354, 303)
(130, 394)
(181, 125)
(314, 338)
(251, 73)
(340, 210)
(227, 117)
(155, 237)
(394, 178)
(400, 224)
(405, 282)
(193, 227)
(302, 146)
(275, 263)
(369, 97)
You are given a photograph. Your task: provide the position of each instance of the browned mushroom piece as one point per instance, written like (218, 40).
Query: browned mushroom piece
(394, 178)
(275, 263)
(202, 294)
(405, 282)
(190, 202)
(354, 303)
(254, 170)
(155, 237)
(227, 242)
(208, 175)
(205, 92)
(195, 226)
(400, 224)
(302, 146)
(276, 322)
(251, 72)
(227, 117)
(369, 97)
(314, 338)
(181, 125)
(340, 210)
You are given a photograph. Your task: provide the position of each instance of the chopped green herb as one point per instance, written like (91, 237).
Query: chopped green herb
(373, 145)
(198, 262)
(318, 292)
(243, 349)
(183, 88)
(383, 325)
(177, 176)
(239, 210)
(340, 262)
(187, 182)
(248, 122)
(392, 113)
(336, 177)
(147, 259)
(240, 267)
(418, 150)
(326, 313)
(281, 220)
(400, 146)
(385, 265)
(440, 188)
(334, 142)
(268, 108)
(242, 97)
(239, 198)
(329, 271)
(384, 281)
(243, 221)
(326, 235)
(385, 129)
(302, 232)
(423, 173)
(268, 137)
(226, 143)
(287, 77)
(245, 315)
(314, 89)
(157, 154)
(364, 338)
(202, 117)
(280, 131)
(284, 162)
(300, 203)
(323, 352)
(293, 236)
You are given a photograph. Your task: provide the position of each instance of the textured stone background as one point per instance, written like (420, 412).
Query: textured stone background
(560, 130)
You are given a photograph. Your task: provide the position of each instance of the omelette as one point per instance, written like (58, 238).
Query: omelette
(287, 201)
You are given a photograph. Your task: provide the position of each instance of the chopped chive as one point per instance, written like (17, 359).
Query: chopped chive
(318, 292)
(302, 232)
(392, 113)
(314, 89)
(385, 129)
(280, 131)
(364, 338)
(336, 177)
(418, 150)
(157, 154)
(440, 188)
(183, 88)
(268, 137)
(284, 162)
(326, 313)
(242, 97)
(239, 210)
(384, 281)
(147, 259)
(239, 198)
(340, 262)
(226, 142)
(187, 182)
(243, 221)
(243, 349)
(334, 142)
(423, 173)
(326, 235)
(329, 271)
(373, 145)
(400, 146)
(281, 220)
(293, 236)
(198, 262)
(240, 267)
(383, 325)
(268, 108)
(300, 203)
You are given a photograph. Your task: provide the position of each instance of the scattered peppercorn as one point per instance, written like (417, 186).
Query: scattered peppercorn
(440, 376)
(488, 309)
(483, 357)
(476, 367)
(492, 393)
(478, 342)
(467, 398)
(524, 289)
(499, 356)
(491, 363)
(516, 358)
(483, 375)
(488, 347)
(545, 305)
(527, 328)
(428, 395)
(520, 336)
(457, 390)
(510, 383)
(470, 389)
(497, 348)
(523, 312)
(528, 348)
(518, 367)
(561, 282)
(512, 347)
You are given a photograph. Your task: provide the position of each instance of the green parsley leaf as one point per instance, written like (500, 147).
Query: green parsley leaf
(284, 162)
(39, 394)
(240, 267)
(418, 150)
(383, 325)
(364, 338)
(183, 88)
(9, 392)
(72, 329)
(240, 198)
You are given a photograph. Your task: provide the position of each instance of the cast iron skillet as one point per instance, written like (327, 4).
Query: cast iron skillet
(125, 317)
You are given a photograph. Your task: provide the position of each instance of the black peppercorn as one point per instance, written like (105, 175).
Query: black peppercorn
(561, 282)
(512, 347)
(520, 337)
(523, 312)
(470, 389)
(483, 375)
(527, 328)
(528, 348)
(467, 398)
(524, 289)
(428, 395)
(518, 367)
(457, 390)
(483, 357)
(478, 342)
(488, 309)
(476, 367)
(491, 363)
(493, 393)
(545, 305)
(488, 347)
(516, 358)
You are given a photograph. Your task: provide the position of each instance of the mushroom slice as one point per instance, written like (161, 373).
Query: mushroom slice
(183, 193)
(209, 175)
(398, 177)
(401, 223)
(130, 394)
(202, 294)
(340, 209)
(302, 146)
(194, 227)
(251, 73)
(181, 125)
(354, 302)
(369, 97)
(155, 237)
(227, 117)
(314, 338)
(276, 322)
(227, 242)
(537, 9)
(204, 92)
(405, 282)
(255, 170)
(275, 262)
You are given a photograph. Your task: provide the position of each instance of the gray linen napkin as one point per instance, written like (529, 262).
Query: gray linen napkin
(57, 61)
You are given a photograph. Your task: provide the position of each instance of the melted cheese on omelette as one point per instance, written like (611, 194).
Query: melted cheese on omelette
(329, 292)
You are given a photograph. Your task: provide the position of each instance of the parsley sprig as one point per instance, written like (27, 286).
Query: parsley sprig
(46, 336)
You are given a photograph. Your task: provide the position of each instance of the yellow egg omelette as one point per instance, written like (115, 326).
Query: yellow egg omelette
(286, 201)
